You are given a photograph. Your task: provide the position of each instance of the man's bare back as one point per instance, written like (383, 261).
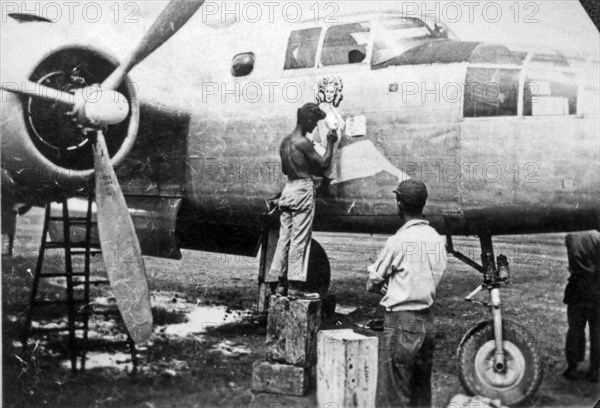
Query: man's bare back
(300, 160)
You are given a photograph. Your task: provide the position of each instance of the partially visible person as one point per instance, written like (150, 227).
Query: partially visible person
(299, 162)
(407, 272)
(582, 297)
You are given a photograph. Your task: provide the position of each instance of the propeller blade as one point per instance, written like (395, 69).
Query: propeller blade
(29, 88)
(172, 18)
(94, 106)
(121, 248)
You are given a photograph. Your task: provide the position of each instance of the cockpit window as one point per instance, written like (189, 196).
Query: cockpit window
(302, 49)
(399, 35)
(495, 92)
(491, 92)
(496, 54)
(550, 93)
(346, 44)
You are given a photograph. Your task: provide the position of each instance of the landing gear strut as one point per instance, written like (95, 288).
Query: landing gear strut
(496, 358)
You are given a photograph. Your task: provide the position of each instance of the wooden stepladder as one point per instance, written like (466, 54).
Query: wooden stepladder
(78, 308)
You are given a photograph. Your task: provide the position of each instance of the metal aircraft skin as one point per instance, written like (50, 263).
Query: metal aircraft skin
(520, 156)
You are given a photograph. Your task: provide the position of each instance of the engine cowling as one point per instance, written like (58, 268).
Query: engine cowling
(46, 152)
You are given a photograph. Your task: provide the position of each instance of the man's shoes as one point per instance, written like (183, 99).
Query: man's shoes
(571, 373)
(592, 375)
(281, 290)
(296, 291)
(282, 287)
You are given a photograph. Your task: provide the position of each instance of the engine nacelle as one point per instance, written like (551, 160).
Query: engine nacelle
(46, 153)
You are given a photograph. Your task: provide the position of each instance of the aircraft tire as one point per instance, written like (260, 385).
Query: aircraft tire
(319, 270)
(524, 370)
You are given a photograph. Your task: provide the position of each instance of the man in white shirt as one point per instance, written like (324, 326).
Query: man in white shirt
(407, 272)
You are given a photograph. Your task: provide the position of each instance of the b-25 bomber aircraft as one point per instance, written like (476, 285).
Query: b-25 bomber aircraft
(507, 143)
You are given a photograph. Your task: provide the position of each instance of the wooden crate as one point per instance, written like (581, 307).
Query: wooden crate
(278, 378)
(346, 369)
(292, 331)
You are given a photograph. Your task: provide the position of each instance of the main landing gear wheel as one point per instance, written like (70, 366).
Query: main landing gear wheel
(522, 374)
(319, 272)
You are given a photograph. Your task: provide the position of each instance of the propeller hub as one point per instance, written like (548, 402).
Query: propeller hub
(97, 107)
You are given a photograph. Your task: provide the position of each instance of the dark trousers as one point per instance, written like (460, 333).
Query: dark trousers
(405, 360)
(578, 316)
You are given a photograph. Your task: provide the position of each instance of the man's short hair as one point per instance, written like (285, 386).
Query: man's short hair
(310, 110)
(413, 195)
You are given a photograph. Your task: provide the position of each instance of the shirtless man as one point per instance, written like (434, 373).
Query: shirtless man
(299, 161)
